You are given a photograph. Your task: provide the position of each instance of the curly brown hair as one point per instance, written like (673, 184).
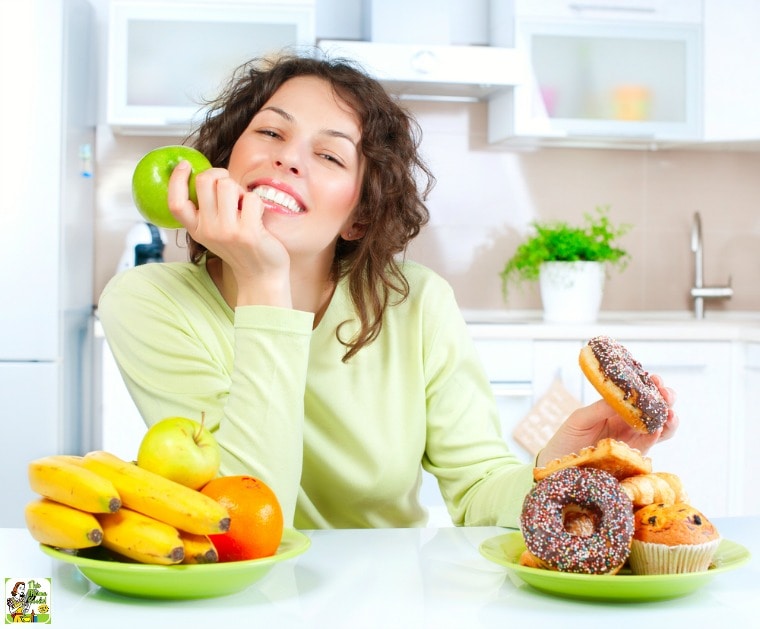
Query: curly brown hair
(396, 179)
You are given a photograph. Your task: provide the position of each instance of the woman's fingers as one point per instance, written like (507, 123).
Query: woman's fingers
(586, 425)
(218, 201)
(180, 205)
(670, 427)
(667, 393)
(227, 204)
(591, 416)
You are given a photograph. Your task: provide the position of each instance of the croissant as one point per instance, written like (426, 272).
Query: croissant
(615, 457)
(656, 487)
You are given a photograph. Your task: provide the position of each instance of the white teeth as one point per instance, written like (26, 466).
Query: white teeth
(279, 197)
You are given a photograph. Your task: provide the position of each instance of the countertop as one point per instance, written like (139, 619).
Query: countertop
(629, 325)
(389, 578)
(624, 325)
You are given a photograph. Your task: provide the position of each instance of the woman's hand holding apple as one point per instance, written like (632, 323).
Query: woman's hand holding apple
(150, 181)
(228, 222)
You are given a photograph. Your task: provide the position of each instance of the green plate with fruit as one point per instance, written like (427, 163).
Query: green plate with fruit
(179, 581)
(506, 549)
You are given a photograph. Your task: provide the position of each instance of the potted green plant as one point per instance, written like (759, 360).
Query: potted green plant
(566, 259)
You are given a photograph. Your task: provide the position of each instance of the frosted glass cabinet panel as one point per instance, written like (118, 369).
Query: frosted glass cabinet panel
(166, 58)
(633, 80)
(151, 84)
(612, 78)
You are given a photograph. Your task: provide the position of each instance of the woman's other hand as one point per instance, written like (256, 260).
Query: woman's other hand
(587, 425)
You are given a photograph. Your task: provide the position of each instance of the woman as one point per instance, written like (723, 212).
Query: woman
(323, 364)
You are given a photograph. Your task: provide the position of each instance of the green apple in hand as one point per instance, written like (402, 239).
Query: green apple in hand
(180, 449)
(150, 182)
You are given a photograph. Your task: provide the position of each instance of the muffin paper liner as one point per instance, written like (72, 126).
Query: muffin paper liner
(648, 558)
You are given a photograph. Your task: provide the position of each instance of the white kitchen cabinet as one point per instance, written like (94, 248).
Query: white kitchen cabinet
(558, 359)
(749, 432)
(165, 58)
(602, 72)
(731, 81)
(509, 367)
(644, 74)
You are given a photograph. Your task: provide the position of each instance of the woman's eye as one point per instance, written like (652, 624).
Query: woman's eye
(269, 133)
(331, 158)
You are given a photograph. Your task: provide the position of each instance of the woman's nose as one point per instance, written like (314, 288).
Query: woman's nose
(291, 167)
(288, 158)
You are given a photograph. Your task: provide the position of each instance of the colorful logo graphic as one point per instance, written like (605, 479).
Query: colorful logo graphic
(27, 600)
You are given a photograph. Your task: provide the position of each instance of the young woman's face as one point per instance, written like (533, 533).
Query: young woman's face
(300, 153)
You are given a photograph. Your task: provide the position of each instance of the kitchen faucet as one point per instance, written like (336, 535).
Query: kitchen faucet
(699, 291)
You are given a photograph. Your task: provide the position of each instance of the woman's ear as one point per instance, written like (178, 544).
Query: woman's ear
(354, 232)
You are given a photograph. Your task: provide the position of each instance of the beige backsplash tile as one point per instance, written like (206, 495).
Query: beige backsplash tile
(486, 195)
(655, 191)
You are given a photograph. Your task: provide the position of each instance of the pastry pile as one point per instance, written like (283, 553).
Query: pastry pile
(669, 535)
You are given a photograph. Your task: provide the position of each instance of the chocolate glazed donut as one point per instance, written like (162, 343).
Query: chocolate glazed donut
(623, 383)
(550, 513)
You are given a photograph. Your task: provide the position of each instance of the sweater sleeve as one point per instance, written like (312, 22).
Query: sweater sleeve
(481, 481)
(179, 355)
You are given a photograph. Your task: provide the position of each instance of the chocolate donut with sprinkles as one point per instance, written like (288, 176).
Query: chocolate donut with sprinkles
(624, 384)
(550, 515)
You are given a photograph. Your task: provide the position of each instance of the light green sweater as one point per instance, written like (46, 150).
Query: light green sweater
(340, 443)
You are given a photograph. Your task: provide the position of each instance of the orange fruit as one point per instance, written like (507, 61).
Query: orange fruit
(256, 521)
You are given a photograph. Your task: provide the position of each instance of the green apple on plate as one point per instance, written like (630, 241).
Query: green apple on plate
(180, 449)
(150, 182)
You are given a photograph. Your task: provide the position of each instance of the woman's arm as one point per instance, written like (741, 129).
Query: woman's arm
(180, 354)
(482, 482)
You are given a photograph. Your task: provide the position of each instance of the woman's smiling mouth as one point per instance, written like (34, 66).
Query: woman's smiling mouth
(278, 197)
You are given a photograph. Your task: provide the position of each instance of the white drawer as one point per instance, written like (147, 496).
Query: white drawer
(753, 355)
(506, 360)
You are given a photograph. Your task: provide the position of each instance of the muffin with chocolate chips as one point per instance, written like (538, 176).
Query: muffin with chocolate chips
(672, 539)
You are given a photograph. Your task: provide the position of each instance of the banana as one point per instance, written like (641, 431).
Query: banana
(64, 479)
(198, 548)
(141, 537)
(163, 499)
(62, 526)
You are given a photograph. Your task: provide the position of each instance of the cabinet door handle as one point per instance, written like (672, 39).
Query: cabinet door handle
(581, 7)
(512, 389)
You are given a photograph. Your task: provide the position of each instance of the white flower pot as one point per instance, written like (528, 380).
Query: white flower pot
(571, 292)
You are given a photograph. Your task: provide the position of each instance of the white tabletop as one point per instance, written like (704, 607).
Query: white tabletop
(389, 578)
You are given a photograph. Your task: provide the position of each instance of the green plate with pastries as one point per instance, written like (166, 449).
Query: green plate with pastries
(506, 549)
(180, 581)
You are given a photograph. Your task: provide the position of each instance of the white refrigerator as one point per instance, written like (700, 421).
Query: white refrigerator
(47, 131)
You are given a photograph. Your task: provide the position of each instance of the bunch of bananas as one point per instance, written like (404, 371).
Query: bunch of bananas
(100, 499)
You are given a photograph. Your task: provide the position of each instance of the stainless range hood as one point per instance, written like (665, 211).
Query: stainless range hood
(435, 72)
(415, 48)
